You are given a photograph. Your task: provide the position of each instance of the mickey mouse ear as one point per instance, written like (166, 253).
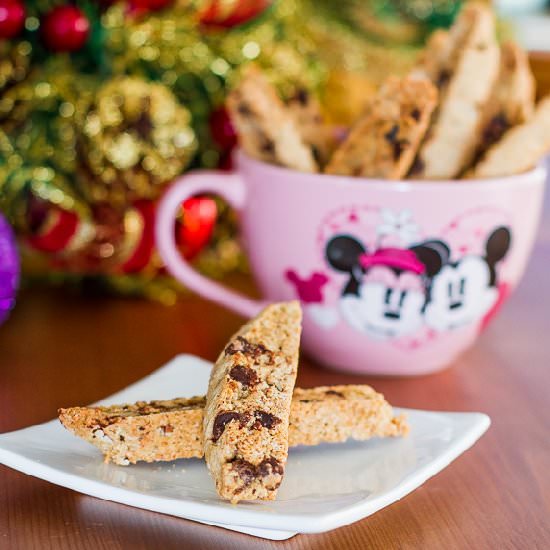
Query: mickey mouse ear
(498, 244)
(433, 254)
(342, 252)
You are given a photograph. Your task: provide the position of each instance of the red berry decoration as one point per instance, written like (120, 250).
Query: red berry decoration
(139, 8)
(156, 5)
(65, 29)
(227, 14)
(222, 130)
(12, 18)
(140, 255)
(199, 218)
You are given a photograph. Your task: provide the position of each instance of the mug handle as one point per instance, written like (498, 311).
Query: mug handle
(231, 188)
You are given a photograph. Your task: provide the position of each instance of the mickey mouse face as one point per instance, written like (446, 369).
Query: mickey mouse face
(388, 304)
(463, 292)
(385, 293)
(460, 294)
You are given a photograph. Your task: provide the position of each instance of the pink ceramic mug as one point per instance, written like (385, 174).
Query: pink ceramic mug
(395, 278)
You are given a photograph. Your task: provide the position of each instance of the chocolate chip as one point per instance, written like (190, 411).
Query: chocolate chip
(398, 144)
(245, 470)
(333, 392)
(415, 113)
(443, 78)
(265, 419)
(267, 146)
(492, 133)
(121, 438)
(245, 375)
(244, 109)
(248, 472)
(223, 418)
(168, 429)
(417, 167)
(242, 345)
(317, 154)
(398, 147)
(302, 96)
(391, 136)
(495, 129)
(270, 465)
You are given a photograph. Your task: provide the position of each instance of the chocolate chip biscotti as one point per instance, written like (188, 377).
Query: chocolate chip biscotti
(383, 144)
(266, 129)
(512, 100)
(169, 430)
(521, 148)
(470, 67)
(247, 410)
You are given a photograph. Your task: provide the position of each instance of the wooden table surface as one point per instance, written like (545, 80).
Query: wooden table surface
(60, 349)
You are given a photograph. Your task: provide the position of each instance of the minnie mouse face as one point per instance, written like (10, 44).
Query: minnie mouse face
(386, 291)
(464, 291)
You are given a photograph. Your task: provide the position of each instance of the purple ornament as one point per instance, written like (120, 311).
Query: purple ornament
(9, 269)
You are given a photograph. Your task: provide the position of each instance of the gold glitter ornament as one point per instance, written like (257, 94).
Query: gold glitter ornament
(15, 62)
(134, 139)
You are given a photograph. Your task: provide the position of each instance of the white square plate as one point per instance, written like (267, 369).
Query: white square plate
(324, 487)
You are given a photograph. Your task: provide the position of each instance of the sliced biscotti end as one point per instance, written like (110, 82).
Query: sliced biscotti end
(473, 69)
(516, 87)
(512, 101)
(266, 130)
(384, 142)
(333, 414)
(248, 405)
(306, 111)
(433, 62)
(521, 148)
(143, 431)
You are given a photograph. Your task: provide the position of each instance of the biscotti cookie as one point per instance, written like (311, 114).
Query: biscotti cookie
(333, 414)
(265, 129)
(170, 430)
(248, 405)
(143, 431)
(434, 61)
(306, 111)
(512, 101)
(472, 70)
(384, 142)
(521, 148)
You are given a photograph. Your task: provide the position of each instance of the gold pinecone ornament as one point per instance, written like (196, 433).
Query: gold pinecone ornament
(134, 139)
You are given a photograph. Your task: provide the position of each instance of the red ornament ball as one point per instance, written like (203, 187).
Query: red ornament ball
(197, 226)
(230, 13)
(142, 252)
(12, 18)
(65, 29)
(139, 8)
(222, 130)
(51, 229)
(155, 5)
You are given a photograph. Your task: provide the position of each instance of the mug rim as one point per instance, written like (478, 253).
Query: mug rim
(534, 176)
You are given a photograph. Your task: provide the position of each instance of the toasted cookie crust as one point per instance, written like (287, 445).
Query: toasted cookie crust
(512, 101)
(384, 142)
(248, 403)
(471, 67)
(318, 136)
(172, 429)
(265, 128)
(521, 148)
